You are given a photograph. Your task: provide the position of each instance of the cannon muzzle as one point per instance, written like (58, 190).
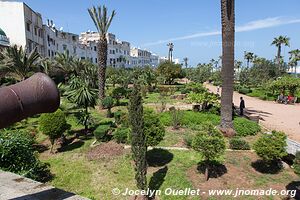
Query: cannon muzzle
(37, 94)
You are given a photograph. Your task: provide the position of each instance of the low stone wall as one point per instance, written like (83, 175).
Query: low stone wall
(293, 146)
(15, 187)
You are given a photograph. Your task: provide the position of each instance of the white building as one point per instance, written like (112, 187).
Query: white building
(27, 30)
(22, 25)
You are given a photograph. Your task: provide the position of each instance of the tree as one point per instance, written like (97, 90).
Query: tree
(294, 58)
(102, 22)
(138, 141)
(81, 92)
(286, 83)
(281, 40)
(17, 64)
(228, 32)
(185, 60)
(271, 147)
(169, 71)
(53, 125)
(211, 144)
(249, 56)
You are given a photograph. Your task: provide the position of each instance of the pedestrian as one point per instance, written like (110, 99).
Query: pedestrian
(242, 106)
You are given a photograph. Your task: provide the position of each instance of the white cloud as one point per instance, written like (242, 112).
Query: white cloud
(250, 26)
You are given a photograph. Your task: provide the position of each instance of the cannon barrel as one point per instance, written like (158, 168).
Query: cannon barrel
(37, 94)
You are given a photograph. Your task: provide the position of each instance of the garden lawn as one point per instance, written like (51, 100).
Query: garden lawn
(175, 169)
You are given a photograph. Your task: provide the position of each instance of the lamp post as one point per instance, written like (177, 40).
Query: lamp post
(170, 56)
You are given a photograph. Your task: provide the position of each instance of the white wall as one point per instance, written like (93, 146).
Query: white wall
(12, 22)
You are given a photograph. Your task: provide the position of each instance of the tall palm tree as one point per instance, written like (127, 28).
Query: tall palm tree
(17, 64)
(278, 42)
(228, 32)
(249, 56)
(185, 62)
(102, 22)
(294, 58)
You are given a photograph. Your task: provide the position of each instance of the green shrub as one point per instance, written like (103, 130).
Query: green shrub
(53, 125)
(118, 93)
(121, 135)
(108, 103)
(177, 116)
(101, 132)
(17, 155)
(210, 142)
(153, 128)
(296, 164)
(238, 144)
(188, 139)
(245, 127)
(271, 147)
(244, 90)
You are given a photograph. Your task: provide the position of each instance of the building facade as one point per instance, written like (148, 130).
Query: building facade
(28, 30)
(4, 40)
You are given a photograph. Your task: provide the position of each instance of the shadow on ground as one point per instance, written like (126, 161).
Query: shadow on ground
(266, 167)
(294, 187)
(159, 157)
(216, 169)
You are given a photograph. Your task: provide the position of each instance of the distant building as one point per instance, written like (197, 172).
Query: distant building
(22, 25)
(28, 30)
(4, 41)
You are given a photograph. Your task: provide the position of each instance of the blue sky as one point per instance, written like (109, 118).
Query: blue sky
(192, 25)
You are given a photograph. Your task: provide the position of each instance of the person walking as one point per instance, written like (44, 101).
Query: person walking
(242, 106)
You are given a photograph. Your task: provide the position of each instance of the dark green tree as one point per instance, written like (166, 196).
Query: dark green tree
(138, 141)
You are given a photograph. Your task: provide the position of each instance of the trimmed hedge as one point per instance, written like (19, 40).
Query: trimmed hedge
(245, 127)
(238, 144)
(121, 135)
(101, 132)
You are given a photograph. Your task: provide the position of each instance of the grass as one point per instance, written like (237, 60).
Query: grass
(192, 120)
(154, 98)
(95, 179)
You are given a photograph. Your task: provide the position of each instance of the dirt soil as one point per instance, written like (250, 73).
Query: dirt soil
(105, 150)
(273, 115)
(238, 173)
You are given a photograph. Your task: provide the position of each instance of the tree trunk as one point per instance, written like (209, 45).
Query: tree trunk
(86, 120)
(278, 54)
(206, 173)
(228, 32)
(102, 57)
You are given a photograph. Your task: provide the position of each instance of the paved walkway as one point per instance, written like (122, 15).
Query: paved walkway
(15, 187)
(273, 116)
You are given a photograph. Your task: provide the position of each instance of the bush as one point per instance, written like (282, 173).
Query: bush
(121, 135)
(53, 125)
(177, 116)
(238, 144)
(210, 142)
(245, 127)
(244, 90)
(296, 164)
(101, 132)
(118, 93)
(271, 147)
(18, 156)
(153, 128)
(108, 103)
(188, 139)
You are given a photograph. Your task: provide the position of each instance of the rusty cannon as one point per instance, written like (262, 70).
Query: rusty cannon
(37, 94)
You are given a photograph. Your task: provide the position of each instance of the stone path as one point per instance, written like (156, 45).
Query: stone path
(273, 116)
(15, 187)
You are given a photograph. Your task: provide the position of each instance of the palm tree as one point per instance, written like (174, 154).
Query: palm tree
(17, 64)
(281, 40)
(249, 56)
(185, 62)
(294, 58)
(102, 22)
(228, 32)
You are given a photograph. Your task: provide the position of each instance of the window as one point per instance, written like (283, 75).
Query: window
(52, 54)
(95, 48)
(64, 47)
(96, 60)
(28, 26)
(49, 53)
(35, 31)
(82, 58)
